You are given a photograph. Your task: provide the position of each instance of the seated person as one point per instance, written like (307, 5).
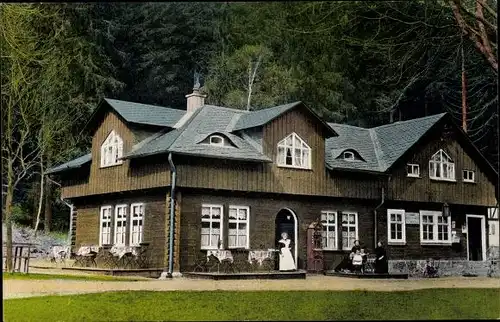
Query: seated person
(357, 261)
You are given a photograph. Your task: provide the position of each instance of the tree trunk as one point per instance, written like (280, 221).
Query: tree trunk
(35, 189)
(48, 206)
(40, 200)
(8, 215)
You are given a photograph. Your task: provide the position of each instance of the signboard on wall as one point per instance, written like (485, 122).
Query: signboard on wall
(412, 218)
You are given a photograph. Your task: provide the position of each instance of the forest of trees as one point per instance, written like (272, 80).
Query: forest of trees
(358, 62)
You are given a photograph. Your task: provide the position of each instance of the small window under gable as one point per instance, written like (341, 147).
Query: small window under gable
(293, 152)
(218, 140)
(350, 155)
(441, 167)
(112, 150)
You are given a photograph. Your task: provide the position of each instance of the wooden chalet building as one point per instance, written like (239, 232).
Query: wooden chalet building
(240, 178)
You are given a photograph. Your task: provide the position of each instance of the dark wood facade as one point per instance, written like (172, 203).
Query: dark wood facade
(87, 227)
(267, 188)
(424, 189)
(263, 211)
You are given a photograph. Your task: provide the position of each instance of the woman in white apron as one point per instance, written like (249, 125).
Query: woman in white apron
(286, 259)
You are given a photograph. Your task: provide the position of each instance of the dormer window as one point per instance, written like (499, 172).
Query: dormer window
(348, 155)
(441, 167)
(111, 150)
(216, 140)
(293, 152)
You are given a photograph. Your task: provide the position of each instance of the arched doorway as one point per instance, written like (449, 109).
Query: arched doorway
(286, 221)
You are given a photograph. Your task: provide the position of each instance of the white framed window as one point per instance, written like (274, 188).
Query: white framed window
(111, 150)
(239, 230)
(211, 226)
(216, 140)
(413, 170)
(136, 223)
(349, 229)
(469, 176)
(434, 228)
(293, 152)
(396, 226)
(441, 167)
(105, 225)
(120, 224)
(348, 155)
(329, 234)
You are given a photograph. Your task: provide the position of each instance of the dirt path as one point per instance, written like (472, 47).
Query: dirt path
(29, 288)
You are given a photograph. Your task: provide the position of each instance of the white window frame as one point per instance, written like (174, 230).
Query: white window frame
(435, 224)
(211, 220)
(108, 221)
(238, 221)
(444, 160)
(466, 177)
(391, 240)
(329, 225)
(111, 150)
(356, 225)
(123, 228)
(221, 143)
(348, 156)
(139, 228)
(297, 144)
(415, 170)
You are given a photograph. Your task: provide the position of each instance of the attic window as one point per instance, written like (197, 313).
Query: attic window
(348, 155)
(111, 150)
(293, 152)
(216, 140)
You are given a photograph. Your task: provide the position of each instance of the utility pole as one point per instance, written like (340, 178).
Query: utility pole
(464, 90)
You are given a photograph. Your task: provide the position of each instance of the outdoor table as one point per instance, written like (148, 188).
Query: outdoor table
(86, 254)
(126, 252)
(221, 255)
(260, 255)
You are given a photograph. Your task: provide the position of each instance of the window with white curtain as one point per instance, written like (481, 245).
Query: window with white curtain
(238, 230)
(396, 228)
(329, 233)
(120, 224)
(349, 229)
(136, 223)
(211, 226)
(105, 226)
(441, 167)
(434, 228)
(293, 152)
(111, 150)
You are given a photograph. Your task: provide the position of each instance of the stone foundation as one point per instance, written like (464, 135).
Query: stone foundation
(415, 268)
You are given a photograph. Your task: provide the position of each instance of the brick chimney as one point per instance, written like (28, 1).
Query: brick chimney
(195, 100)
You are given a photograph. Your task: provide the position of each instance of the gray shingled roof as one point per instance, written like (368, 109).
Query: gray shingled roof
(146, 114)
(380, 147)
(207, 120)
(73, 164)
(261, 117)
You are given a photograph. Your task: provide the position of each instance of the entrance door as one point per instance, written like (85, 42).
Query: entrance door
(286, 222)
(476, 242)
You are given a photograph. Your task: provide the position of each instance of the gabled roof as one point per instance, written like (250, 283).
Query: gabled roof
(380, 147)
(138, 113)
(205, 121)
(73, 164)
(264, 116)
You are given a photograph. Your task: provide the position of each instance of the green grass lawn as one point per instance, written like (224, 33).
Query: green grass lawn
(22, 276)
(260, 305)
